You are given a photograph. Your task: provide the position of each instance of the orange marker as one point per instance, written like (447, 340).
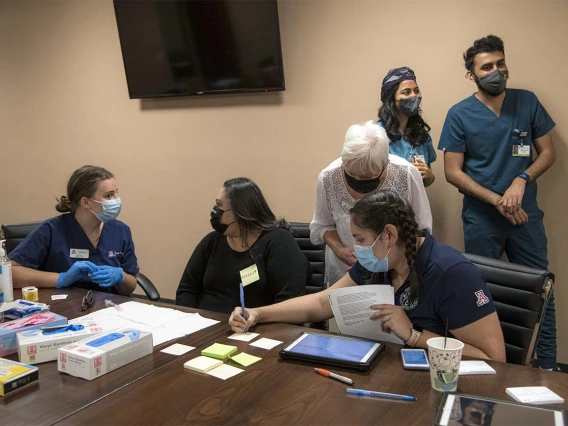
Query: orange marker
(334, 376)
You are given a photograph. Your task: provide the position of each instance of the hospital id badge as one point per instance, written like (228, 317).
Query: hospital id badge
(249, 275)
(521, 150)
(78, 253)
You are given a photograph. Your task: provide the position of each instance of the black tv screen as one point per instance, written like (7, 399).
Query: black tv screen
(196, 47)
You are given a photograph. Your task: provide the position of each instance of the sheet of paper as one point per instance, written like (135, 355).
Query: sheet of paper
(243, 337)
(177, 349)
(245, 359)
(468, 368)
(351, 308)
(265, 343)
(189, 324)
(149, 314)
(225, 371)
(58, 296)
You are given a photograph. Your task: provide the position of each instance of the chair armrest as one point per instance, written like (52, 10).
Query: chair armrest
(148, 287)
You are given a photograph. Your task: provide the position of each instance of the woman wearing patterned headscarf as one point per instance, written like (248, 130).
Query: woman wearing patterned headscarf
(400, 117)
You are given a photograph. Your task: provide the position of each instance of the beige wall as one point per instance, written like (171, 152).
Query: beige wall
(64, 103)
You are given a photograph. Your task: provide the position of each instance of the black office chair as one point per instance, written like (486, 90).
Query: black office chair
(520, 294)
(15, 233)
(316, 256)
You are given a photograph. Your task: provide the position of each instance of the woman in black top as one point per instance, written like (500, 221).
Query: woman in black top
(247, 235)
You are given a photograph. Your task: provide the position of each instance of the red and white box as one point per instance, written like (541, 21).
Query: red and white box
(91, 358)
(40, 345)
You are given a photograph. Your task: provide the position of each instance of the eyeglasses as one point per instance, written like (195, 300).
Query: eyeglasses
(87, 301)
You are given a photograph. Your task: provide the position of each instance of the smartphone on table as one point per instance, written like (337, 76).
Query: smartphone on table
(414, 359)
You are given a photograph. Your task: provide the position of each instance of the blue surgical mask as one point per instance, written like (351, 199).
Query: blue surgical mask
(111, 209)
(367, 258)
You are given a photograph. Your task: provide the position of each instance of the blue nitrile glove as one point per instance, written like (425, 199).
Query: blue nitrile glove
(75, 273)
(107, 276)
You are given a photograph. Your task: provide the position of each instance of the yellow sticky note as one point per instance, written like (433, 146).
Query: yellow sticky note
(249, 275)
(219, 351)
(245, 359)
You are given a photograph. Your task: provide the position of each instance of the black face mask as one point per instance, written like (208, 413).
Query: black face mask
(410, 106)
(216, 215)
(362, 186)
(492, 84)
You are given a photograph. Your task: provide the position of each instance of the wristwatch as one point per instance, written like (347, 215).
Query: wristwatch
(525, 177)
(416, 332)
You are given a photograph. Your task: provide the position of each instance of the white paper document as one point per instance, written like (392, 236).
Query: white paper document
(165, 324)
(351, 308)
(190, 323)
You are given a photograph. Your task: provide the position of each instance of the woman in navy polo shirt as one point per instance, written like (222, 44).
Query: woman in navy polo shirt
(433, 283)
(85, 246)
(400, 116)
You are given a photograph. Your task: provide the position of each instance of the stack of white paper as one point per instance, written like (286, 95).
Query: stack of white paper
(537, 395)
(475, 367)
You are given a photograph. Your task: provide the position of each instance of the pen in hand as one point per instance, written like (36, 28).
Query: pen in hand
(243, 310)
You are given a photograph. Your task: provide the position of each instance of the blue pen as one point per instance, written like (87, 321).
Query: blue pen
(380, 394)
(243, 311)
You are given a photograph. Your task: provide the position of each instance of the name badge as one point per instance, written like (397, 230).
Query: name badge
(249, 275)
(78, 253)
(418, 157)
(521, 150)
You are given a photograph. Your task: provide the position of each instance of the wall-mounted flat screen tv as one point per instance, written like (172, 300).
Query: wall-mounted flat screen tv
(196, 47)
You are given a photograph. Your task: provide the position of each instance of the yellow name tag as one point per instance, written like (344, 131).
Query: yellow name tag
(249, 275)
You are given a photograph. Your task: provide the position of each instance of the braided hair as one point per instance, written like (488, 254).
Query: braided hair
(375, 211)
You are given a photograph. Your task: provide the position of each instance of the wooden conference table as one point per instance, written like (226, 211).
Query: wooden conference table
(157, 389)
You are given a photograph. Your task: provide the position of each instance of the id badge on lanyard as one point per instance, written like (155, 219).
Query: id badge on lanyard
(520, 149)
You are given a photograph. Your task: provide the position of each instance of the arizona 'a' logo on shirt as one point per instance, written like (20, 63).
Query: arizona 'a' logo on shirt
(482, 299)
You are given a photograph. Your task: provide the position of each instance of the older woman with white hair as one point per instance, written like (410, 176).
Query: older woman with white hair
(365, 166)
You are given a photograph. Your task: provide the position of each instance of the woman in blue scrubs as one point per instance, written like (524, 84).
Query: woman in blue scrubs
(400, 117)
(85, 246)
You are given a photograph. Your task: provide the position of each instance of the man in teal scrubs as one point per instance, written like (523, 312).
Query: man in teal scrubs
(496, 144)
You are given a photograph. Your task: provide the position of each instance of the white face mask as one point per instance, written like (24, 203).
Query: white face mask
(111, 209)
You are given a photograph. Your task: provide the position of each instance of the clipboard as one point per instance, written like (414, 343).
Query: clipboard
(330, 349)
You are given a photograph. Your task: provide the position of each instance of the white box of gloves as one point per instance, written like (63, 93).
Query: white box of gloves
(91, 358)
(40, 345)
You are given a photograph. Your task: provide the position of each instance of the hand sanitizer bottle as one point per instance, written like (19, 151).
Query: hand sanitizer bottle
(6, 277)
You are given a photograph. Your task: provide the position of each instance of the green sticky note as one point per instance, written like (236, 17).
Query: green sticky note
(245, 359)
(219, 351)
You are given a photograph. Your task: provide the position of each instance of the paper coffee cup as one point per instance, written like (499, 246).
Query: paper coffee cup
(444, 363)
